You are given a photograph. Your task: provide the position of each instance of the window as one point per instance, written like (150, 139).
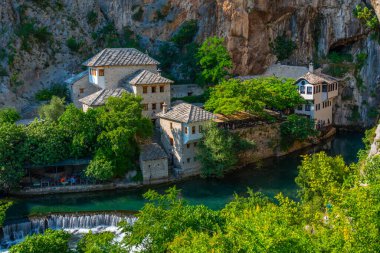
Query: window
(188, 160)
(154, 89)
(188, 145)
(200, 129)
(193, 130)
(171, 142)
(307, 108)
(171, 125)
(185, 130)
(162, 105)
(195, 144)
(309, 90)
(93, 72)
(145, 89)
(324, 88)
(336, 86)
(145, 107)
(300, 107)
(153, 106)
(81, 90)
(302, 89)
(162, 88)
(101, 72)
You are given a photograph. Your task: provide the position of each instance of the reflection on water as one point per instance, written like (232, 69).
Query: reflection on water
(270, 177)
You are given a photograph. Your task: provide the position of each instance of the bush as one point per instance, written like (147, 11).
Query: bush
(296, 128)
(53, 110)
(73, 44)
(58, 90)
(92, 18)
(337, 70)
(9, 115)
(282, 47)
(338, 58)
(42, 34)
(186, 33)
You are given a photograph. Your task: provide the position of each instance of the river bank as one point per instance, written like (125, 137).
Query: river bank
(269, 176)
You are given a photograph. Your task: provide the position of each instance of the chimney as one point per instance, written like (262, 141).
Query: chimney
(159, 72)
(311, 67)
(164, 108)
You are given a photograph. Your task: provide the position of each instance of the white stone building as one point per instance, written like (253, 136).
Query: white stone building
(153, 163)
(319, 91)
(181, 130)
(116, 69)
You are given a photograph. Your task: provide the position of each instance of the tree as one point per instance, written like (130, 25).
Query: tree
(81, 129)
(121, 127)
(163, 218)
(296, 128)
(9, 115)
(214, 60)
(253, 96)
(100, 167)
(320, 176)
(185, 33)
(217, 151)
(53, 110)
(12, 155)
(98, 243)
(52, 241)
(282, 47)
(46, 143)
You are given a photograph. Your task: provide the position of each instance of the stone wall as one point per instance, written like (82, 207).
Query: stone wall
(154, 170)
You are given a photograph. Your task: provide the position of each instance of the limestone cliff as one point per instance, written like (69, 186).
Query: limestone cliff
(317, 27)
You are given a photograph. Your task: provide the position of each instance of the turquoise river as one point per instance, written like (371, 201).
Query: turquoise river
(270, 177)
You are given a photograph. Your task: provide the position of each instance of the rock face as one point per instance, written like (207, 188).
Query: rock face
(317, 27)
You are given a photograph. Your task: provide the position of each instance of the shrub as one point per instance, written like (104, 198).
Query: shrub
(92, 18)
(42, 34)
(9, 115)
(336, 57)
(53, 110)
(337, 70)
(58, 90)
(185, 33)
(296, 128)
(282, 47)
(14, 80)
(73, 44)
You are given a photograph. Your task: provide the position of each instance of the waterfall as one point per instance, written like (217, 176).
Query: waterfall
(74, 223)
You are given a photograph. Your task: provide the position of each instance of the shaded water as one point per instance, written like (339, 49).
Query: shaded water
(270, 177)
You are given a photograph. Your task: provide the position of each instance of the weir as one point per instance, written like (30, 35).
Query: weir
(74, 223)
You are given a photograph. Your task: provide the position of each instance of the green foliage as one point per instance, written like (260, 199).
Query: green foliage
(45, 143)
(98, 243)
(4, 205)
(253, 96)
(282, 47)
(80, 128)
(3, 71)
(372, 113)
(14, 80)
(214, 60)
(217, 151)
(92, 18)
(164, 218)
(9, 115)
(73, 44)
(337, 70)
(57, 90)
(336, 57)
(52, 241)
(296, 128)
(355, 114)
(185, 33)
(100, 167)
(53, 110)
(43, 4)
(12, 155)
(320, 176)
(367, 17)
(28, 31)
(360, 60)
(121, 126)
